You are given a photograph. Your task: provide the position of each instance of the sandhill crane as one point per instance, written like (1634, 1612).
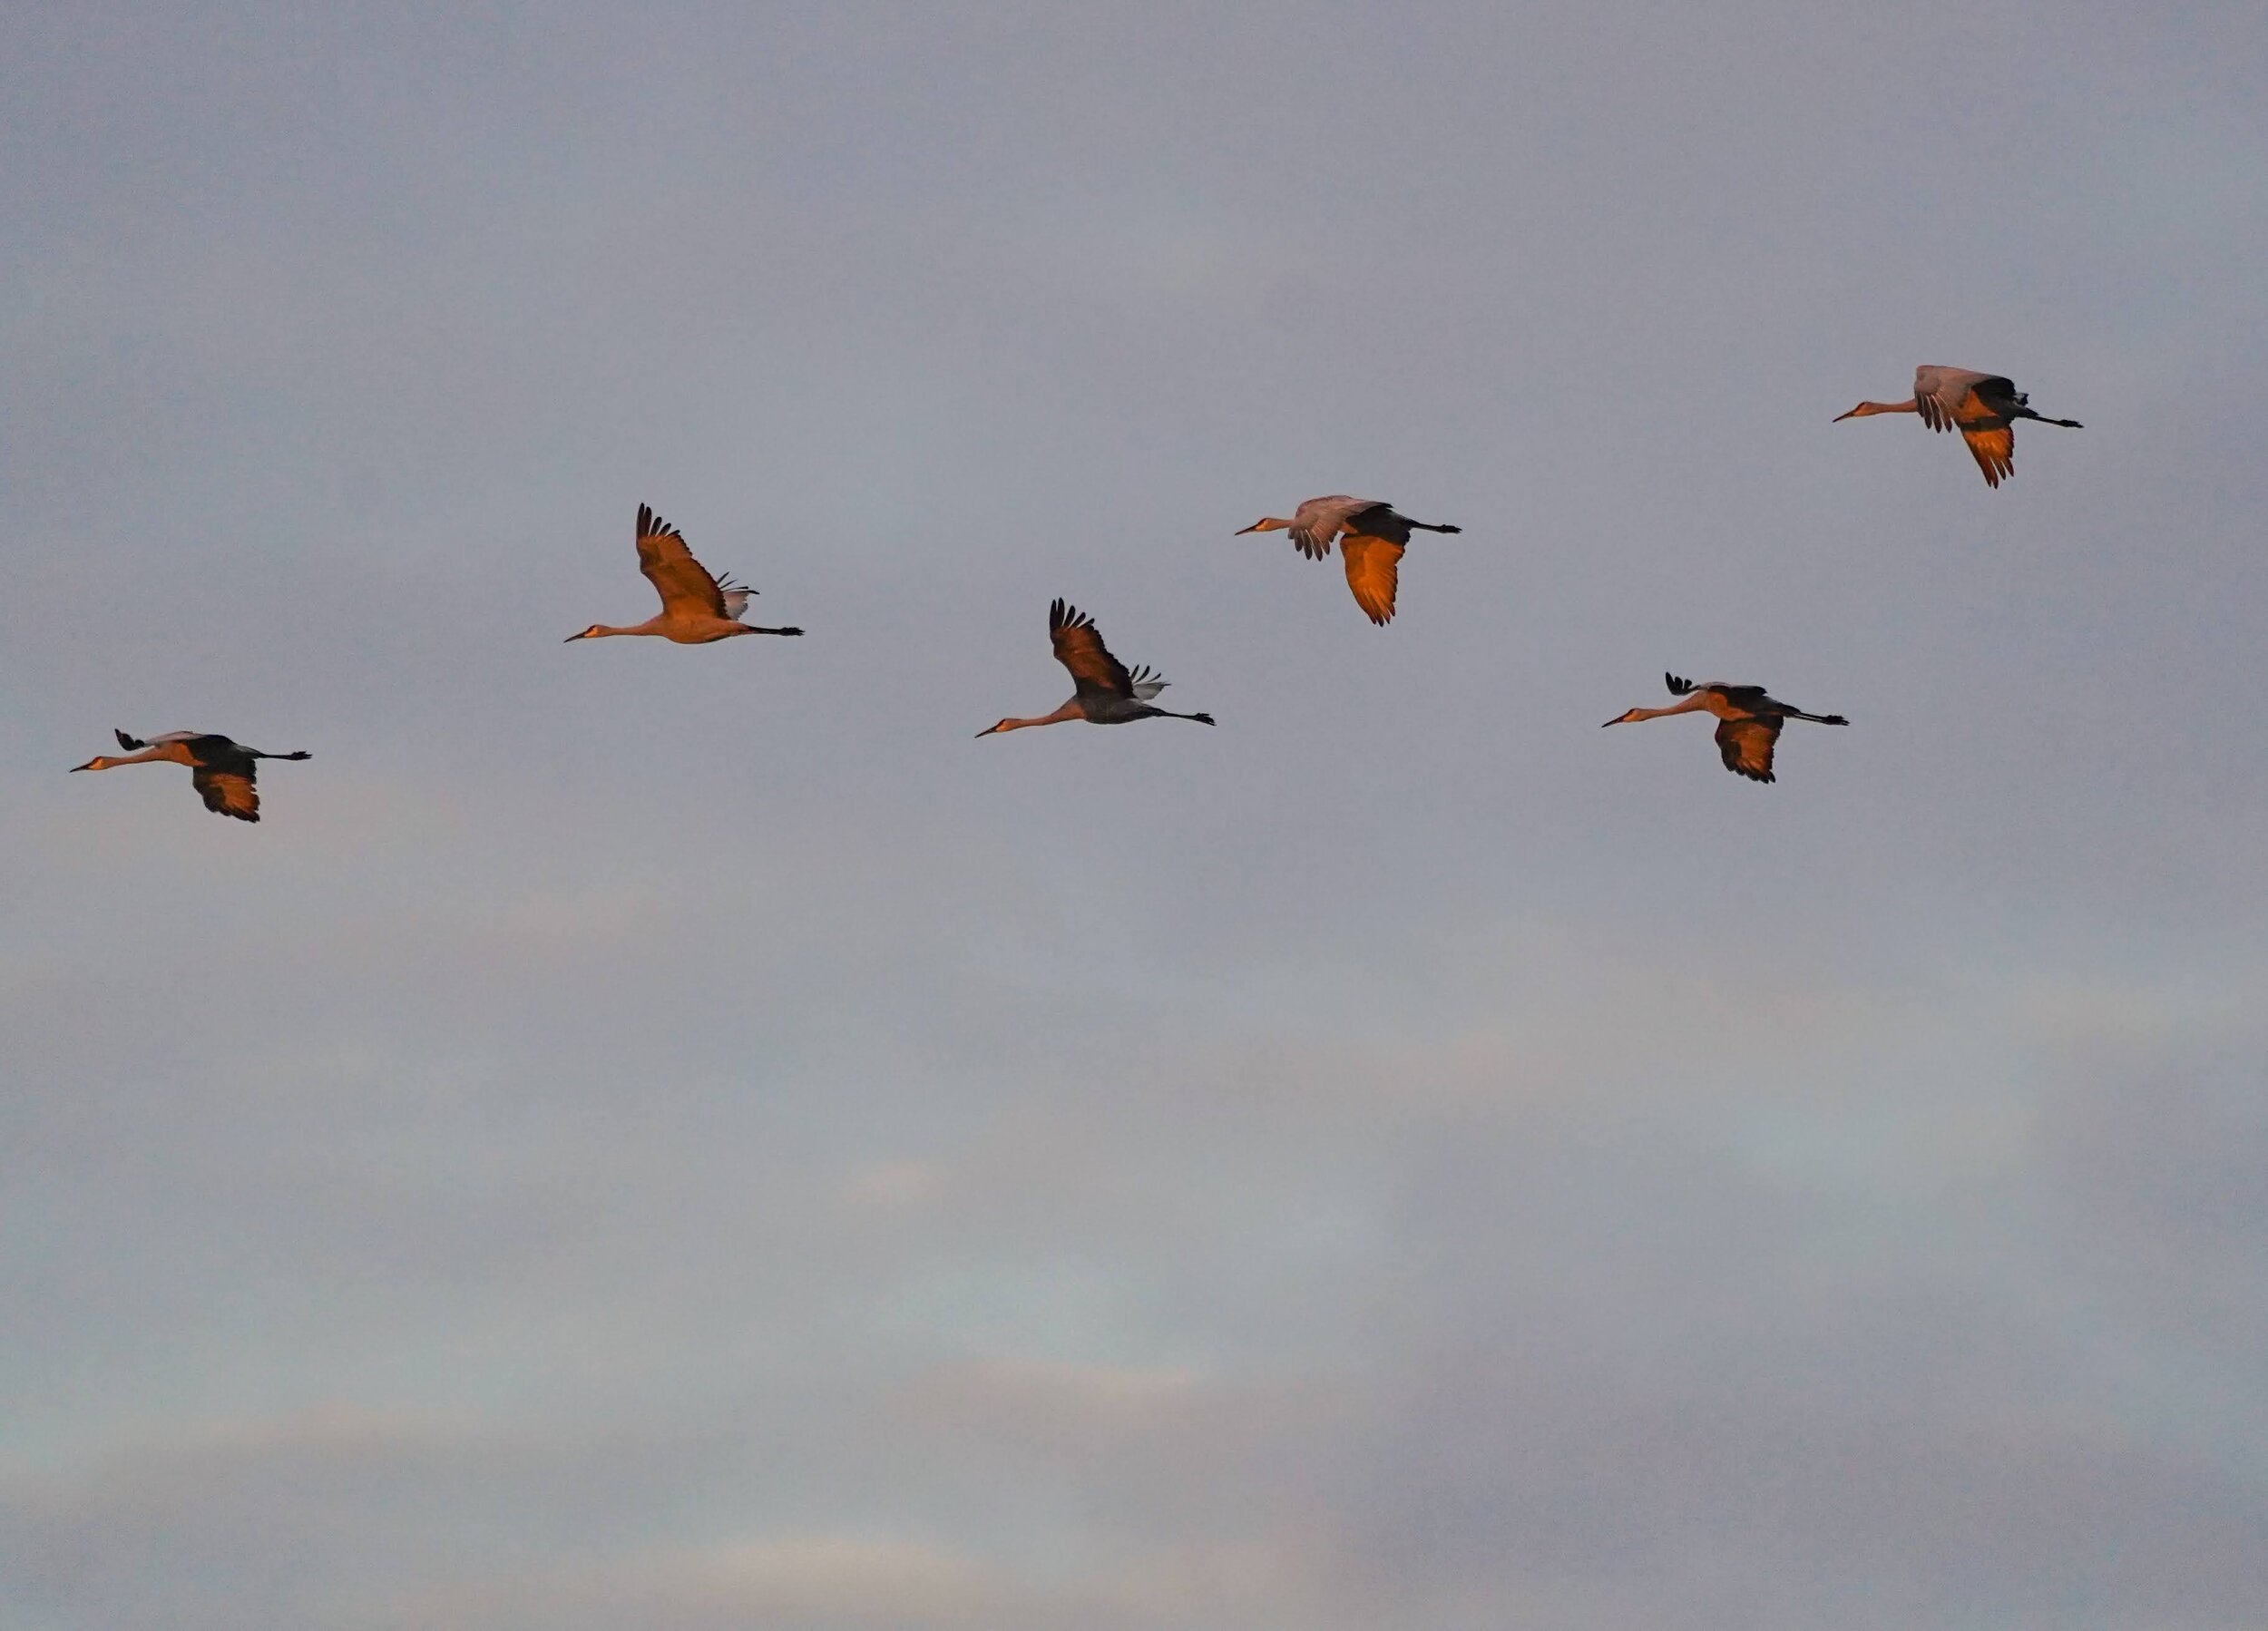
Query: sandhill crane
(1984, 407)
(695, 607)
(1105, 693)
(219, 769)
(1371, 536)
(1748, 721)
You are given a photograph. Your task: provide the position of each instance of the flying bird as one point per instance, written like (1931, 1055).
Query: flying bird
(1748, 721)
(221, 770)
(1984, 407)
(1105, 693)
(1371, 536)
(695, 607)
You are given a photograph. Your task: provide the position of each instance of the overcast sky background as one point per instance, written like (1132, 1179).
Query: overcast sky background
(687, 1137)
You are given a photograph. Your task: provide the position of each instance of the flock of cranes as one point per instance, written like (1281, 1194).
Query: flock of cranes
(697, 609)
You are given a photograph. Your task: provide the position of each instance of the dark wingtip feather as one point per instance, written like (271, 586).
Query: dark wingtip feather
(131, 744)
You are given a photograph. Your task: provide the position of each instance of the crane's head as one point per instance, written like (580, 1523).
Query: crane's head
(1266, 524)
(1635, 713)
(97, 763)
(995, 730)
(592, 632)
(1863, 410)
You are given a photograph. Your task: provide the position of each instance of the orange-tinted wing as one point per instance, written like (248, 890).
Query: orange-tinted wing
(1079, 646)
(1992, 440)
(228, 791)
(1373, 572)
(1746, 745)
(1977, 406)
(683, 583)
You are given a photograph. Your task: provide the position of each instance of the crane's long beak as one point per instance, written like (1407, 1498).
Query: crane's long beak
(1839, 418)
(981, 734)
(572, 639)
(88, 766)
(1618, 719)
(1253, 528)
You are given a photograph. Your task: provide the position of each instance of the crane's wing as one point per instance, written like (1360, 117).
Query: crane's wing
(1317, 521)
(684, 584)
(227, 786)
(1079, 646)
(735, 597)
(1147, 683)
(1745, 696)
(1746, 745)
(1992, 444)
(1977, 406)
(1373, 571)
(1939, 394)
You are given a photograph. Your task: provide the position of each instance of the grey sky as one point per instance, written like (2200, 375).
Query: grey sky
(690, 1139)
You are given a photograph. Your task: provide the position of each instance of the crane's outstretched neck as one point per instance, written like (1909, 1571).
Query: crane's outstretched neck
(1909, 406)
(1699, 699)
(1070, 710)
(148, 755)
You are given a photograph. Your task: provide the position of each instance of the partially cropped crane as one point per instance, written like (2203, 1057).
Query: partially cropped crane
(1371, 536)
(1984, 407)
(1105, 692)
(1748, 721)
(221, 770)
(696, 607)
